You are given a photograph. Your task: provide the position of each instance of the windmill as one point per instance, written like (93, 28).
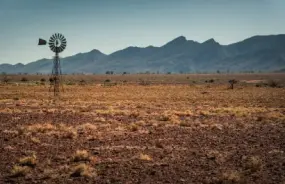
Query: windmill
(57, 44)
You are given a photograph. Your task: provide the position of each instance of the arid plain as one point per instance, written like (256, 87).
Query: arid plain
(144, 129)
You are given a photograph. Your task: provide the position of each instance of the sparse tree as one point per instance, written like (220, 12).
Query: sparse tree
(5, 78)
(43, 80)
(51, 80)
(82, 82)
(232, 82)
(24, 79)
(107, 80)
(109, 72)
(273, 84)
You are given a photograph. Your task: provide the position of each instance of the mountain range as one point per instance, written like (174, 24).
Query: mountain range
(258, 53)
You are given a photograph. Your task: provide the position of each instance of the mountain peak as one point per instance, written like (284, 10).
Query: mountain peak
(211, 41)
(177, 41)
(95, 51)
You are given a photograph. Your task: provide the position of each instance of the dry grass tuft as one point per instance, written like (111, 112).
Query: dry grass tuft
(41, 128)
(145, 157)
(35, 140)
(28, 161)
(60, 130)
(11, 132)
(133, 127)
(135, 114)
(164, 118)
(88, 126)
(231, 177)
(18, 171)
(168, 116)
(81, 155)
(69, 133)
(82, 170)
(253, 163)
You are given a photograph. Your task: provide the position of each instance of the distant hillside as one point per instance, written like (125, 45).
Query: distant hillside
(258, 53)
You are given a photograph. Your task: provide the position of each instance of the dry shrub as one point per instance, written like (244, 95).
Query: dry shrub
(231, 177)
(11, 132)
(164, 118)
(35, 140)
(99, 119)
(18, 171)
(41, 128)
(48, 173)
(82, 170)
(81, 155)
(144, 82)
(174, 119)
(216, 126)
(141, 123)
(87, 127)
(24, 79)
(28, 161)
(67, 132)
(169, 116)
(253, 163)
(134, 114)
(273, 84)
(61, 130)
(133, 127)
(185, 124)
(145, 157)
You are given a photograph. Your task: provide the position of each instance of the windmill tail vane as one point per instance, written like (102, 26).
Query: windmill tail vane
(57, 44)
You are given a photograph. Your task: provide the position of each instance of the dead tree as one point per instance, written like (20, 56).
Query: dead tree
(232, 82)
(5, 78)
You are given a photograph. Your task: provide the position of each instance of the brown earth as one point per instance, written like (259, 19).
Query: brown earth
(143, 134)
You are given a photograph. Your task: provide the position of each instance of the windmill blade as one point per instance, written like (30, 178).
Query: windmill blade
(54, 36)
(62, 48)
(51, 39)
(52, 48)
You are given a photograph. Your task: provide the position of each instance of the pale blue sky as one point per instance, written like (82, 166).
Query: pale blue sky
(110, 25)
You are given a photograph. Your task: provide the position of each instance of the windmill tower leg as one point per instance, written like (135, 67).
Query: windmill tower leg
(56, 75)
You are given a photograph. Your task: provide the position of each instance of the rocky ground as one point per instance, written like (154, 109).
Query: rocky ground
(142, 134)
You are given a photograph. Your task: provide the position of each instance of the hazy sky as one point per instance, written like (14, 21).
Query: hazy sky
(110, 25)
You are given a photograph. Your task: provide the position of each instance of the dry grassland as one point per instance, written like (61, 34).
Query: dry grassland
(195, 132)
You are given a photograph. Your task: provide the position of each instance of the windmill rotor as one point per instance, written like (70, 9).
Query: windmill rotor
(57, 43)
